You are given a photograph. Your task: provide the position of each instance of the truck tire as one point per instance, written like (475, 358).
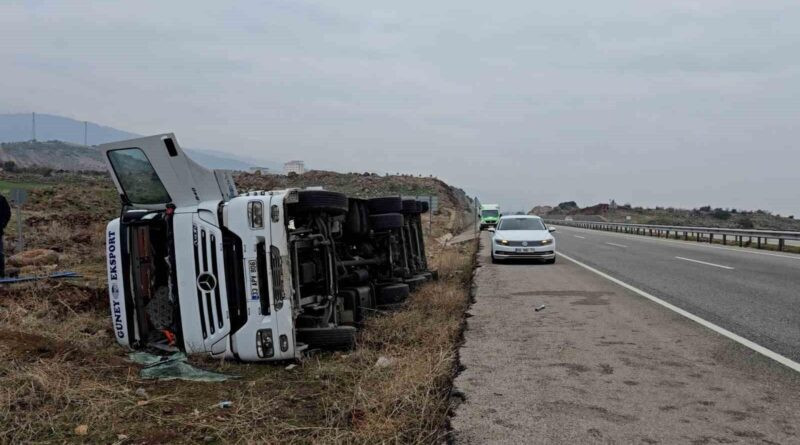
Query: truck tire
(353, 224)
(310, 201)
(410, 207)
(340, 337)
(386, 221)
(389, 204)
(392, 294)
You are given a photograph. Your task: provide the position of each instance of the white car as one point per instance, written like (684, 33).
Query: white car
(523, 236)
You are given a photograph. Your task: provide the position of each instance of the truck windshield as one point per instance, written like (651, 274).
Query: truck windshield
(137, 177)
(521, 224)
(490, 213)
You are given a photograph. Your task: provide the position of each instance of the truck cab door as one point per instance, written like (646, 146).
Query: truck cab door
(153, 171)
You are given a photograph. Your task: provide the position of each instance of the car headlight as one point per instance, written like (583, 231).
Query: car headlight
(501, 241)
(547, 241)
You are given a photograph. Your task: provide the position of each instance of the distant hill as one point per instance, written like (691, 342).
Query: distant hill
(54, 154)
(17, 128)
(704, 216)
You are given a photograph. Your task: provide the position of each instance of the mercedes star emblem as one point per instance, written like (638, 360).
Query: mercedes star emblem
(206, 282)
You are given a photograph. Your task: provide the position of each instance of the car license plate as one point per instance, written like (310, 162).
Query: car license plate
(523, 249)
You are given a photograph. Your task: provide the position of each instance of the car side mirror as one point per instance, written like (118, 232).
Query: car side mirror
(551, 229)
(491, 229)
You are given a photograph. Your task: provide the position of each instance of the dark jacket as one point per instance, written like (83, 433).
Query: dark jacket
(5, 213)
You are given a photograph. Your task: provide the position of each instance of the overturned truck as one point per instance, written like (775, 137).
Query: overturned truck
(259, 276)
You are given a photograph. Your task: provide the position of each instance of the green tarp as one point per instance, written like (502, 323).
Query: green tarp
(175, 366)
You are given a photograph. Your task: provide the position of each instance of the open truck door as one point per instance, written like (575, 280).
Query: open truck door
(153, 171)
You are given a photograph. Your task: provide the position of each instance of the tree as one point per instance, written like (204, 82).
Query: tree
(721, 214)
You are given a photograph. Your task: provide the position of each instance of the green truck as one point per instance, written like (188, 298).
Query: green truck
(490, 214)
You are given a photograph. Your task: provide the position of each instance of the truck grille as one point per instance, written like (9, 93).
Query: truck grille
(206, 270)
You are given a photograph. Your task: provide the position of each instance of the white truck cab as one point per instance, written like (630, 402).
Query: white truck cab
(194, 266)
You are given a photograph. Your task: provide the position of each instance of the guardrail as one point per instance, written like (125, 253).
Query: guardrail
(685, 232)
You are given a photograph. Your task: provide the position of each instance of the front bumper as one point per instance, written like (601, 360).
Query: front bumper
(547, 252)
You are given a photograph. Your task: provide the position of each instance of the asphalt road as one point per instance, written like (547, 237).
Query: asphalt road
(602, 364)
(751, 293)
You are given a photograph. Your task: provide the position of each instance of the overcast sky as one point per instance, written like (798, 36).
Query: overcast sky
(681, 103)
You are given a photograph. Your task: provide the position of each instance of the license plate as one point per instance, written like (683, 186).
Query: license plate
(523, 249)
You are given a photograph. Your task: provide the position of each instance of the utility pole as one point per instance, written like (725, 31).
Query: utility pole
(33, 126)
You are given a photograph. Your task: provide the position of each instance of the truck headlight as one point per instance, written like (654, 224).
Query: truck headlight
(264, 344)
(255, 213)
(547, 241)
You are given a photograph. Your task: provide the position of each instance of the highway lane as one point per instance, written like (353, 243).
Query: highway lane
(753, 294)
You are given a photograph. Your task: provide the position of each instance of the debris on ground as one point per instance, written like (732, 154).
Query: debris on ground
(383, 362)
(445, 238)
(172, 367)
(539, 308)
(223, 404)
(81, 430)
(25, 278)
(291, 366)
(141, 392)
(34, 257)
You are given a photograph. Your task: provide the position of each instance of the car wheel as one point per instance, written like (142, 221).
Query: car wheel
(494, 260)
(550, 261)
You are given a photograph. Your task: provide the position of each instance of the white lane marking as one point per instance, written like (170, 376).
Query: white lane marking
(703, 262)
(618, 245)
(581, 237)
(720, 330)
(679, 242)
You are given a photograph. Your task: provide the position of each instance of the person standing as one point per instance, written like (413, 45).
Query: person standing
(5, 216)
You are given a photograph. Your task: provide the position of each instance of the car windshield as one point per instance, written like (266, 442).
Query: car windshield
(521, 224)
(490, 213)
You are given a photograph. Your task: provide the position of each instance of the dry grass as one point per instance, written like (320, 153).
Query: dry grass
(60, 368)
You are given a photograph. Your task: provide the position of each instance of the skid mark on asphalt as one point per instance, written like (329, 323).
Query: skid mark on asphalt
(584, 411)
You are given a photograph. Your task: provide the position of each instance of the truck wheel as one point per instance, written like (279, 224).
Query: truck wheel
(340, 337)
(386, 221)
(389, 204)
(410, 207)
(393, 294)
(353, 224)
(310, 201)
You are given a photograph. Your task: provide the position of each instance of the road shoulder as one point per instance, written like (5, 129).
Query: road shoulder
(600, 363)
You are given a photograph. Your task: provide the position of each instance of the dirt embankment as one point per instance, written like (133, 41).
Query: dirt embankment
(452, 216)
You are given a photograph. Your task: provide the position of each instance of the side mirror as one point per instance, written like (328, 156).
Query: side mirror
(551, 229)
(491, 229)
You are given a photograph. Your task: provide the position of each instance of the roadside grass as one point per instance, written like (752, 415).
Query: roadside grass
(60, 368)
(7, 186)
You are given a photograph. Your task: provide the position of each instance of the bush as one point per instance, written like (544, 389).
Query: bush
(568, 205)
(746, 223)
(721, 214)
